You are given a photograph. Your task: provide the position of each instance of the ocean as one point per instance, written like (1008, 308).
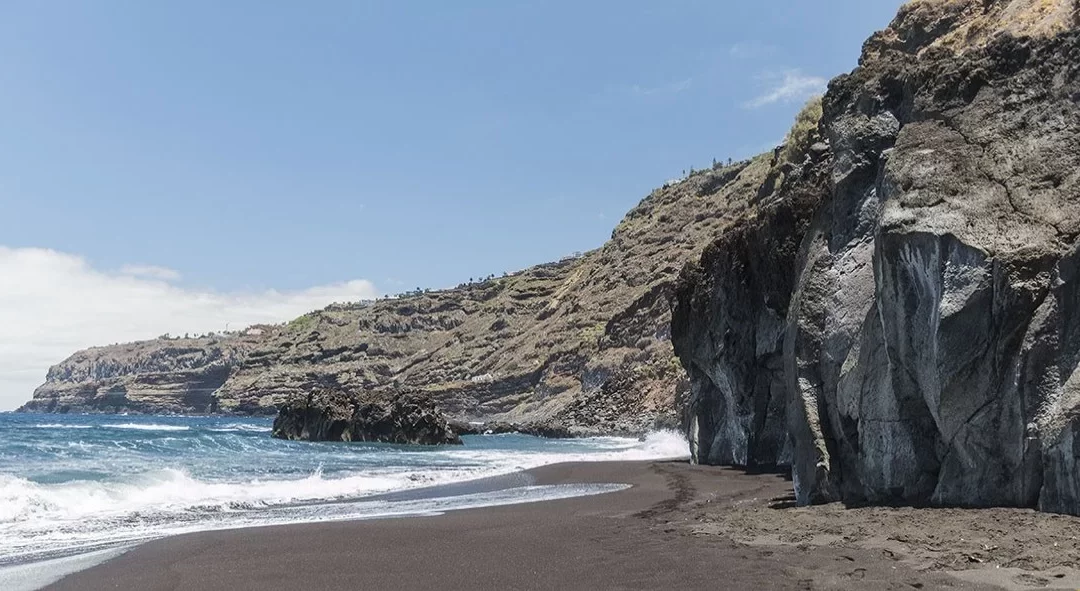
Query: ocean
(75, 485)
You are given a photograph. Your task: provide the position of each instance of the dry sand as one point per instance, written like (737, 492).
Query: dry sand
(680, 526)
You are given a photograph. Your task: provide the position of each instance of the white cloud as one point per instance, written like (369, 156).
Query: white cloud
(151, 272)
(787, 87)
(53, 304)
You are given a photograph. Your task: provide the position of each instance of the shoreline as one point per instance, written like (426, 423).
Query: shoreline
(643, 537)
(219, 475)
(477, 493)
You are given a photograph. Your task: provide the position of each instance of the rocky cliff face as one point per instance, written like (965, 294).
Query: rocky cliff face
(581, 343)
(159, 376)
(729, 314)
(920, 344)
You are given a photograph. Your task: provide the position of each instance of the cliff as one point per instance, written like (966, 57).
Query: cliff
(899, 322)
(581, 343)
(164, 375)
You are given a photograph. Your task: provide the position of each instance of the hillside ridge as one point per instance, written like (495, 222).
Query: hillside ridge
(584, 340)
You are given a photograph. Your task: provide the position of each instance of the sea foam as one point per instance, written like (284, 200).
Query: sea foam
(147, 427)
(116, 483)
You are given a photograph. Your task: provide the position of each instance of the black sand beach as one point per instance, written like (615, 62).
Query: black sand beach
(672, 529)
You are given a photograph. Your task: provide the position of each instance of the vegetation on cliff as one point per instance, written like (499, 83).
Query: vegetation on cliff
(583, 342)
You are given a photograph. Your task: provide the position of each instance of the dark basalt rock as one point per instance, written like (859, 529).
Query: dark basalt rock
(728, 327)
(334, 415)
(921, 344)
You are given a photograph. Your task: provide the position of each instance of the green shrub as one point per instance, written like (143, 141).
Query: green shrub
(803, 133)
(303, 323)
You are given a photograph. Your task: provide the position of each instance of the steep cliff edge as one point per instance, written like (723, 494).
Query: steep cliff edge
(921, 343)
(581, 343)
(165, 375)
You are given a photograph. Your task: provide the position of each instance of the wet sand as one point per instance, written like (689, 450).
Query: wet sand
(679, 526)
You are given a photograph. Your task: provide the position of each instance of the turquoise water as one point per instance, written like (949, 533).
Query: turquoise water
(84, 483)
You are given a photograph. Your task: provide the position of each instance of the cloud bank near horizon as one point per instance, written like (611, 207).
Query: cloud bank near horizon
(54, 303)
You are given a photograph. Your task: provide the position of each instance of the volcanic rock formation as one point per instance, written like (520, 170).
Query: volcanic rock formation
(900, 322)
(577, 346)
(339, 416)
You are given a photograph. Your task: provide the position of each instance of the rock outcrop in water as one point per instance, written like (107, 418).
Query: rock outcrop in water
(920, 343)
(333, 415)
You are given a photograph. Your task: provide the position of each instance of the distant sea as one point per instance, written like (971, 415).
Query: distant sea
(76, 484)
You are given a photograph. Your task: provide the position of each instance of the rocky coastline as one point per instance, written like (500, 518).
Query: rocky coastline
(579, 346)
(886, 306)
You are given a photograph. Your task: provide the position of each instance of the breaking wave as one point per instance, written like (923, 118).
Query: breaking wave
(147, 427)
(85, 483)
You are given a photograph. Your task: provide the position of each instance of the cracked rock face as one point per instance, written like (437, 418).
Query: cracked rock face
(743, 285)
(929, 343)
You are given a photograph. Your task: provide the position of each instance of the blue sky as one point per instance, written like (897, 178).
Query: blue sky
(271, 144)
(244, 148)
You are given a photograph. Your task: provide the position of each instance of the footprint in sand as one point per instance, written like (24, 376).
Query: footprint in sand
(1031, 580)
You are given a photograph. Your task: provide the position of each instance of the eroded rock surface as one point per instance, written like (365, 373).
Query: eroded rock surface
(334, 415)
(579, 346)
(923, 336)
(164, 376)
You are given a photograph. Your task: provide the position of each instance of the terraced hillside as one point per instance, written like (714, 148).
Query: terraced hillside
(584, 341)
